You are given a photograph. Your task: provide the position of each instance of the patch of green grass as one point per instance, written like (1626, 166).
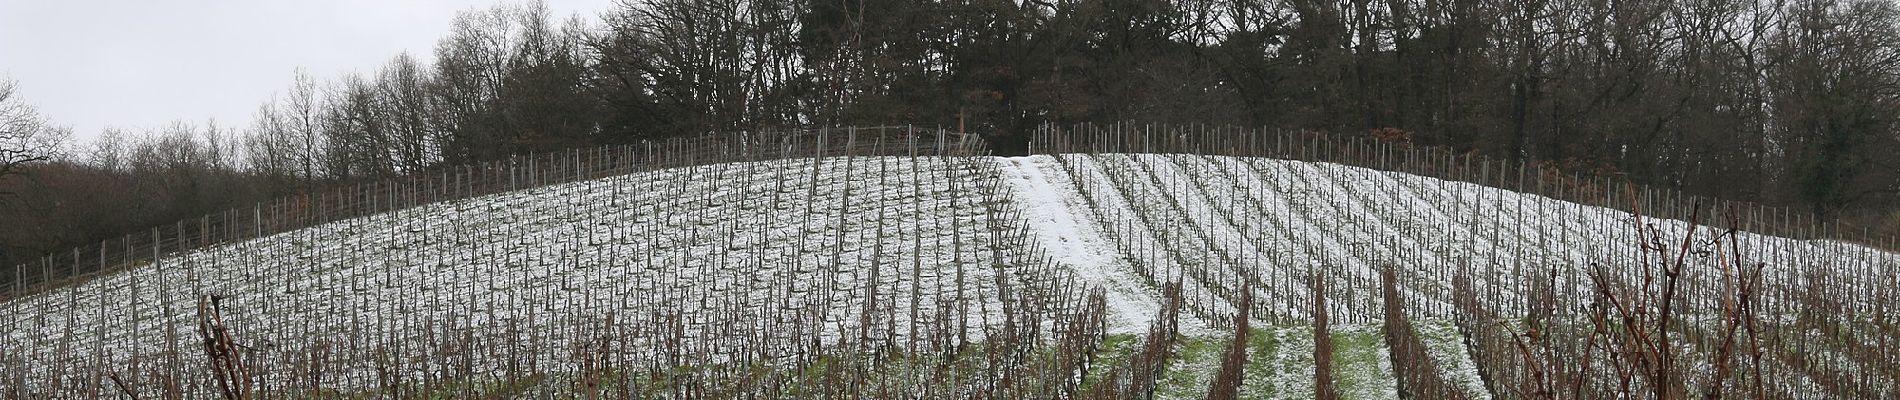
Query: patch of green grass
(1261, 344)
(1361, 369)
(1115, 351)
(1290, 363)
(471, 388)
(1195, 362)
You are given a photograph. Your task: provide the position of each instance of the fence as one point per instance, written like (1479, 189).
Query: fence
(928, 256)
(1542, 179)
(461, 182)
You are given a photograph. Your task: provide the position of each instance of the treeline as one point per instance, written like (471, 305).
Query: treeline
(1788, 102)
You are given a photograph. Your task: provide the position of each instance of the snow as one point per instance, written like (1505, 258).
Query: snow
(1071, 239)
(768, 247)
(753, 251)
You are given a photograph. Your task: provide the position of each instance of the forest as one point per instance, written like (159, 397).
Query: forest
(1792, 103)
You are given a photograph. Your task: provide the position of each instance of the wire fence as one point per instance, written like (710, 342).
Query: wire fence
(896, 262)
(461, 182)
(1539, 178)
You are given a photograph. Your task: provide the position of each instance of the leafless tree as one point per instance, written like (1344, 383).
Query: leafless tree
(403, 86)
(25, 136)
(302, 117)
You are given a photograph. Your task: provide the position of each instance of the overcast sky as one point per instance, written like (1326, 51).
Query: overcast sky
(140, 64)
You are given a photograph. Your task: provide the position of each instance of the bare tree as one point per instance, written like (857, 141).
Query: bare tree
(403, 86)
(356, 131)
(25, 136)
(303, 113)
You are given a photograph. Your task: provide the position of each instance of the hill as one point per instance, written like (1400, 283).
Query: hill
(974, 276)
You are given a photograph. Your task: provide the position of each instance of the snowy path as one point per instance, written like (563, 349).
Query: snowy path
(1072, 240)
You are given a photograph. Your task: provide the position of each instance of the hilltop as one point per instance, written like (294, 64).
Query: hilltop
(797, 276)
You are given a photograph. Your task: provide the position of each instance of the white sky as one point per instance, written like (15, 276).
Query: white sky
(134, 64)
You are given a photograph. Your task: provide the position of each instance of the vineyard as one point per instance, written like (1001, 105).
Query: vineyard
(1116, 262)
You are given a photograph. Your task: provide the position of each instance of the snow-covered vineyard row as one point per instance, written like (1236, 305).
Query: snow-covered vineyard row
(1519, 263)
(950, 276)
(749, 263)
(1571, 298)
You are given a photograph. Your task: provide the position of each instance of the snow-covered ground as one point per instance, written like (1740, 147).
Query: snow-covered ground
(874, 250)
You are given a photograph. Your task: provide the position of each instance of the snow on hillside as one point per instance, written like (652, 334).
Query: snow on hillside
(780, 246)
(1072, 239)
(1273, 221)
(1127, 221)
(872, 249)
